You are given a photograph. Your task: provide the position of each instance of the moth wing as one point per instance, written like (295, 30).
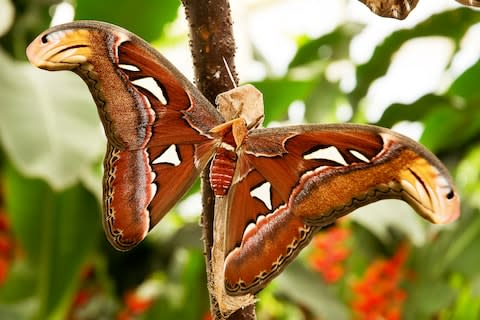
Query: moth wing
(312, 175)
(155, 120)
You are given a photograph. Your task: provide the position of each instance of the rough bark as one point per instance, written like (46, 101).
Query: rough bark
(212, 46)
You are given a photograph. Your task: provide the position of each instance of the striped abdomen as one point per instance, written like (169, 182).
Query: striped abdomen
(222, 170)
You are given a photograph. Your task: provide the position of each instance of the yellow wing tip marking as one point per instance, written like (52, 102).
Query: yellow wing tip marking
(60, 49)
(430, 192)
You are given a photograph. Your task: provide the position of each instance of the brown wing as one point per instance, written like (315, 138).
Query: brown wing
(314, 175)
(155, 121)
(398, 9)
(472, 3)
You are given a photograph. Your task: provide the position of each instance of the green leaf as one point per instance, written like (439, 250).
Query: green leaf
(48, 123)
(437, 258)
(466, 85)
(305, 287)
(194, 285)
(17, 289)
(467, 305)
(415, 111)
(20, 311)
(425, 298)
(145, 18)
(187, 296)
(468, 176)
(334, 45)
(279, 94)
(450, 128)
(448, 123)
(460, 252)
(321, 105)
(58, 231)
(314, 56)
(452, 24)
(271, 305)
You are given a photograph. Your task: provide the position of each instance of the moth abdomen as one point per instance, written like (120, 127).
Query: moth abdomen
(222, 171)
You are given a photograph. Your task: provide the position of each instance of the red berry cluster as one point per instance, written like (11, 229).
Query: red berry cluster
(135, 305)
(330, 252)
(378, 294)
(88, 291)
(7, 246)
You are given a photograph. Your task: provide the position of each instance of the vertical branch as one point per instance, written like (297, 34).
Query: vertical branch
(211, 39)
(212, 43)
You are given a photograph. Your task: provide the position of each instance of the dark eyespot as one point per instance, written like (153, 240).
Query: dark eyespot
(44, 38)
(450, 195)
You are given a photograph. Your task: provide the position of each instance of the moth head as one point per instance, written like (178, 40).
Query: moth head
(244, 102)
(60, 49)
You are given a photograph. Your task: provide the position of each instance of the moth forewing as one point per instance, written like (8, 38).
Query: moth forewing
(227, 304)
(242, 108)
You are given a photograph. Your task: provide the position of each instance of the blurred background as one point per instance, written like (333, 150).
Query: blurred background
(315, 62)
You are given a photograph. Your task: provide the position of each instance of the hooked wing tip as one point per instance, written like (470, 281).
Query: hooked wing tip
(60, 49)
(430, 192)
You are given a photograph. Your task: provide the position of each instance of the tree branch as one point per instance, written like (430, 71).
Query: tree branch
(212, 43)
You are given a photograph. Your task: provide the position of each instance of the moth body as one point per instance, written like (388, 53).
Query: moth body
(274, 187)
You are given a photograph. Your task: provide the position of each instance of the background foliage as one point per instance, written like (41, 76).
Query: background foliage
(382, 262)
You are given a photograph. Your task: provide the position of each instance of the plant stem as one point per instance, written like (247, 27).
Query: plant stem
(212, 45)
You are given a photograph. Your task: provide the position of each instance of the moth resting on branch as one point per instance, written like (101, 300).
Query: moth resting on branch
(400, 9)
(274, 187)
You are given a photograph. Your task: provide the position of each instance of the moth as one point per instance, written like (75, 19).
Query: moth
(275, 187)
(400, 9)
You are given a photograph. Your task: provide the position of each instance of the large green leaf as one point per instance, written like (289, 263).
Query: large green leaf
(452, 24)
(426, 298)
(187, 296)
(466, 85)
(279, 94)
(449, 128)
(58, 231)
(463, 253)
(415, 111)
(306, 288)
(429, 291)
(453, 246)
(448, 124)
(468, 176)
(145, 17)
(314, 56)
(467, 302)
(322, 103)
(334, 45)
(48, 123)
